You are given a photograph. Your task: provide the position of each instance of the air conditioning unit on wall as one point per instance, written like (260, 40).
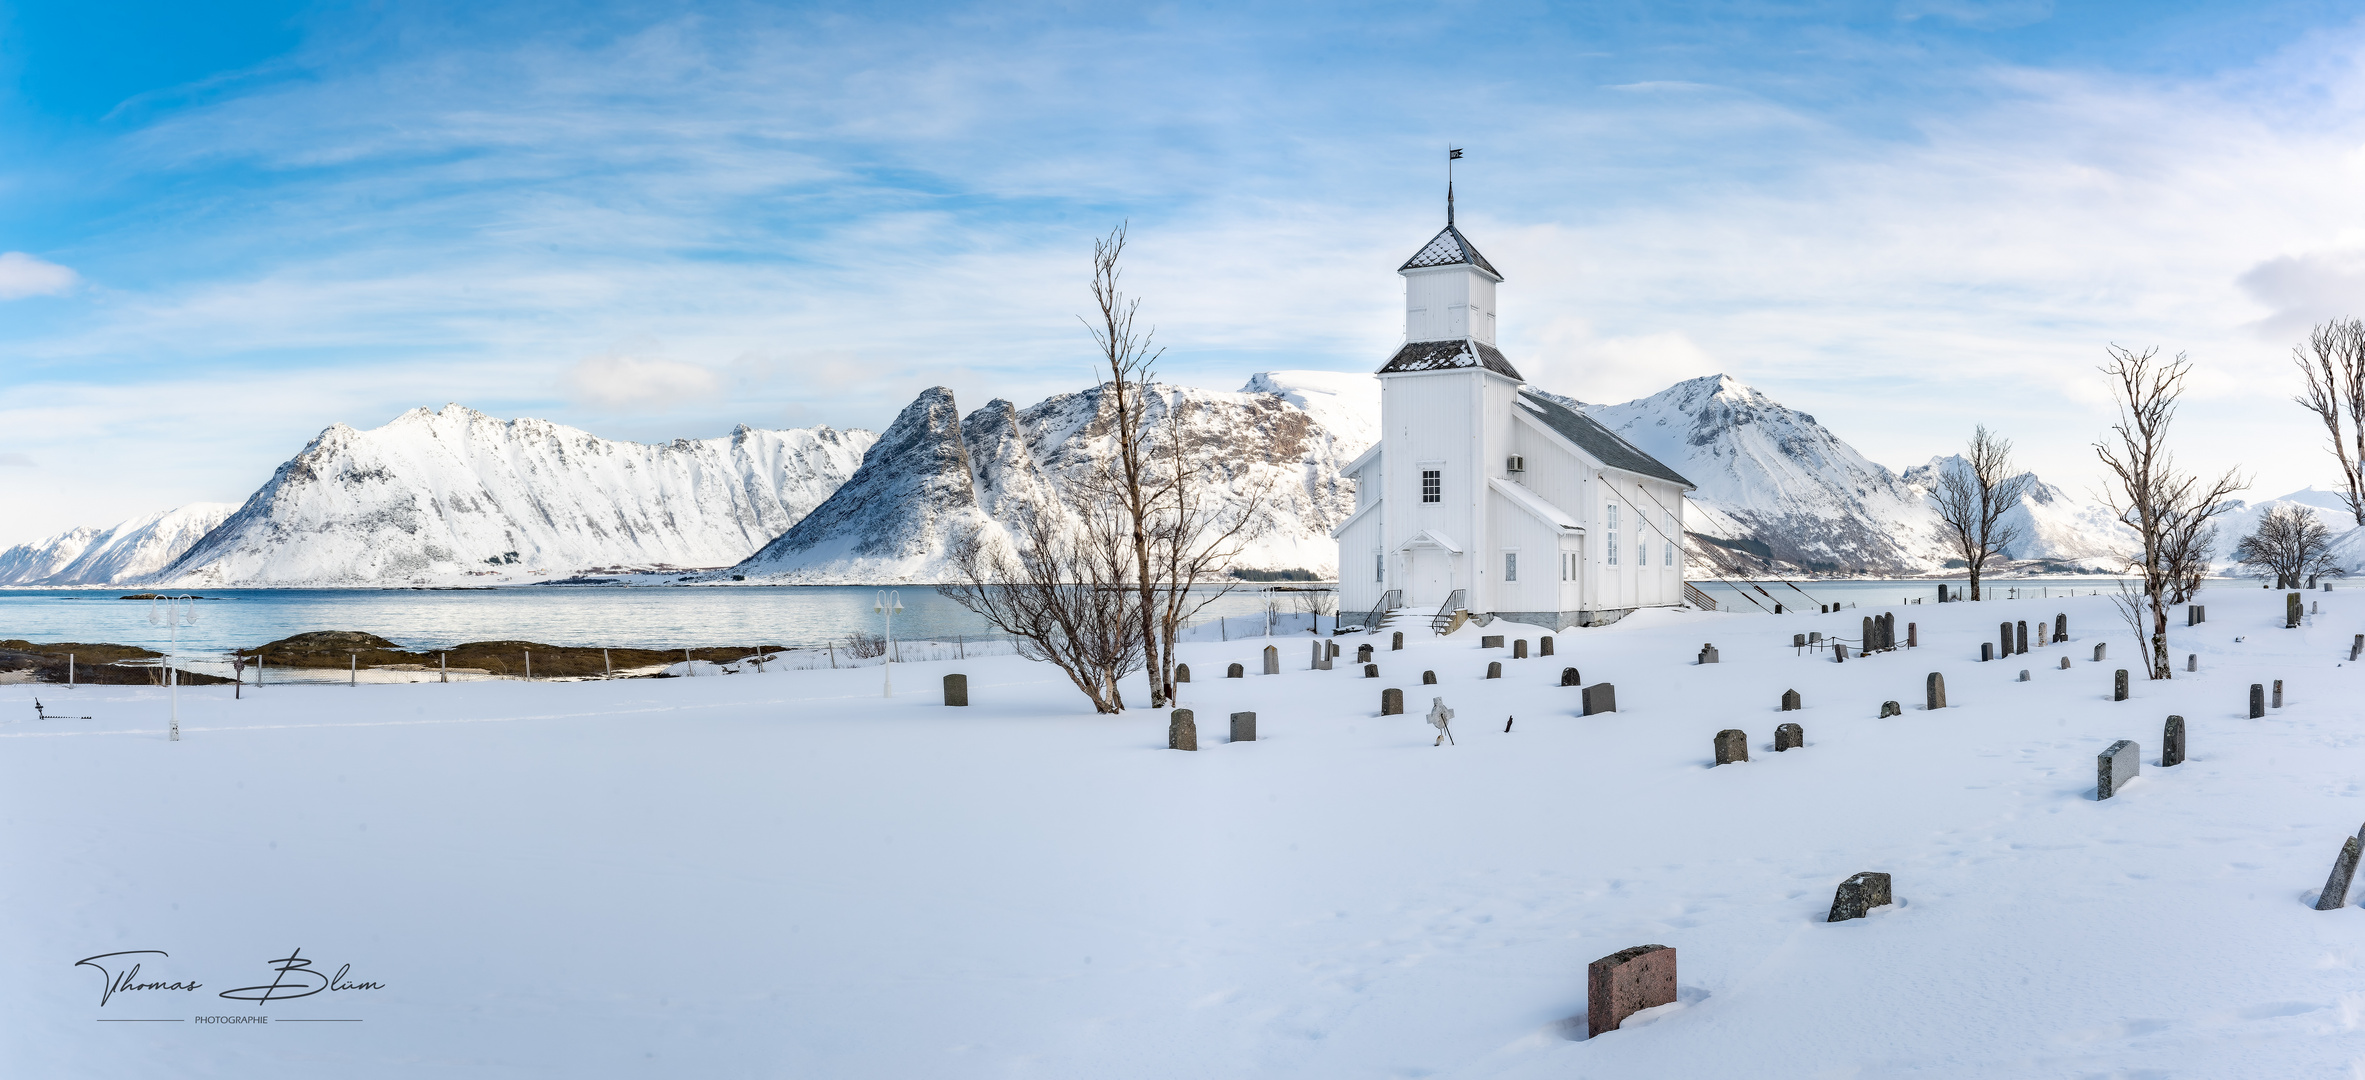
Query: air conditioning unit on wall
(1516, 464)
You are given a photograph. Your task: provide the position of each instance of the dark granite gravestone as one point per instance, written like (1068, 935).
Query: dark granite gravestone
(1626, 982)
(1371, 671)
(2172, 743)
(1490, 641)
(2115, 766)
(2192, 615)
(1790, 702)
(1798, 641)
(1600, 697)
(956, 689)
(2023, 674)
(1858, 895)
(2118, 685)
(1839, 651)
(1243, 727)
(1363, 653)
(1235, 672)
(1814, 637)
(1543, 646)
(2356, 648)
(1887, 625)
(2292, 612)
(1731, 745)
(1182, 673)
(1519, 649)
(1707, 654)
(1272, 660)
(1494, 669)
(1428, 678)
(2020, 637)
(2203, 610)
(2192, 661)
(1182, 733)
(1913, 635)
(1986, 651)
(2065, 663)
(1391, 702)
(1569, 677)
(2101, 649)
(1891, 708)
(2344, 871)
(1396, 643)
(1868, 640)
(2257, 700)
(2278, 701)
(1934, 691)
(1333, 652)
(1789, 737)
(2005, 631)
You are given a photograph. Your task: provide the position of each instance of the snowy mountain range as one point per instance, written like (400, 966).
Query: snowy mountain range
(454, 496)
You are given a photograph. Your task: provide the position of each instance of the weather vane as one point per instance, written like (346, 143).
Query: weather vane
(1452, 154)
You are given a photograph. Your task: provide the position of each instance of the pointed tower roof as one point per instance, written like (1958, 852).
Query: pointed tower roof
(1449, 248)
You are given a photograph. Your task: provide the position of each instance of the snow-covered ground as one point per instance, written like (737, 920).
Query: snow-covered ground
(787, 875)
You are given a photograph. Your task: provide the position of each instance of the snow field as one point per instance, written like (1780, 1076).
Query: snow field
(786, 874)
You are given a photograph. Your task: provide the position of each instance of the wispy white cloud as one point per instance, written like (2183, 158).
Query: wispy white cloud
(22, 275)
(17, 461)
(639, 384)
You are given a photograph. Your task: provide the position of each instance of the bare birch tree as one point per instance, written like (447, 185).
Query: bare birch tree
(1193, 538)
(2170, 511)
(2289, 545)
(2333, 362)
(1972, 501)
(1061, 588)
(1130, 355)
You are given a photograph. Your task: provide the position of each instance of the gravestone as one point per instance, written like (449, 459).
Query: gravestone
(1986, 651)
(2172, 743)
(1321, 661)
(2065, 663)
(1934, 691)
(2192, 661)
(1626, 982)
(1891, 708)
(2203, 609)
(1182, 673)
(1391, 702)
(2292, 612)
(1600, 697)
(2344, 870)
(2356, 647)
(1243, 727)
(1868, 640)
(2278, 702)
(1731, 745)
(1789, 737)
(1235, 672)
(1707, 654)
(1491, 641)
(1790, 701)
(1181, 732)
(2023, 674)
(1441, 718)
(1428, 678)
(1839, 651)
(2100, 650)
(1858, 895)
(1396, 643)
(1371, 671)
(1272, 660)
(2118, 686)
(2020, 637)
(1814, 637)
(2257, 701)
(1332, 652)
(2192, 615)
(2061, 627)
(2115, 766)
(1494, 669)
(1798, 641)
(1519, 649)
(956, 689)
(1889, 630)
(1363, 653)
(1544, 646)
(1568, 677)
(2004, 630)
(1913, 636)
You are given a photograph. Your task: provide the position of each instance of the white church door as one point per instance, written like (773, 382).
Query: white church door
(1432, 576)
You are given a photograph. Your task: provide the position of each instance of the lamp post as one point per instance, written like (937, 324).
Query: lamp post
(889, 602)
(175, 612)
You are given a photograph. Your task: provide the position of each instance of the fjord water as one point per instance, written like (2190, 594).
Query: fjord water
(655, 617)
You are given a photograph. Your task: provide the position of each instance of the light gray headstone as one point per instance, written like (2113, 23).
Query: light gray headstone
(1244, 727)
(1182, 732)
(1272, 660)
(2344, 870)
(1790, 701)
(2023, 674)
(1934, 690)
(1708, 654)
(2065, 663)
(2278, 701)
(956, 689)
(1391, 702)
(1600, 697)
(2101, 649)
(2115, 766)
(1494, 669)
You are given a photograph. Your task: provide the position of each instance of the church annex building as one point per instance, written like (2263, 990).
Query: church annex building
(1481, 486)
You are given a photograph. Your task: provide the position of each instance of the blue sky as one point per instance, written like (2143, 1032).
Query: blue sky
(226, 229)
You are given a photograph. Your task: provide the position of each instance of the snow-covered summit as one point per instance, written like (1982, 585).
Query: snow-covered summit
(128, 551)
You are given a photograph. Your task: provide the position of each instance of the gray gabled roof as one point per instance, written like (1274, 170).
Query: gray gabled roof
(1442, 355)
(1597, 440)
(1449, 248)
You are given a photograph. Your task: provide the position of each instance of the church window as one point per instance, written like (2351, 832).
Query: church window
(1432, 485)
(1670, 515)
(1379, 566)
(1510, 566)
(1612, 546)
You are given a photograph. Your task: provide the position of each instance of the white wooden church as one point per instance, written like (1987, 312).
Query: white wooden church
(1487, 495)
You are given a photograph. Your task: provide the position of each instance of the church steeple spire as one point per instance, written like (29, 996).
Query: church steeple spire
(1451, 156)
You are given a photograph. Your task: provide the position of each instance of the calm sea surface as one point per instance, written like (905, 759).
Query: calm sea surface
(556, 615)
